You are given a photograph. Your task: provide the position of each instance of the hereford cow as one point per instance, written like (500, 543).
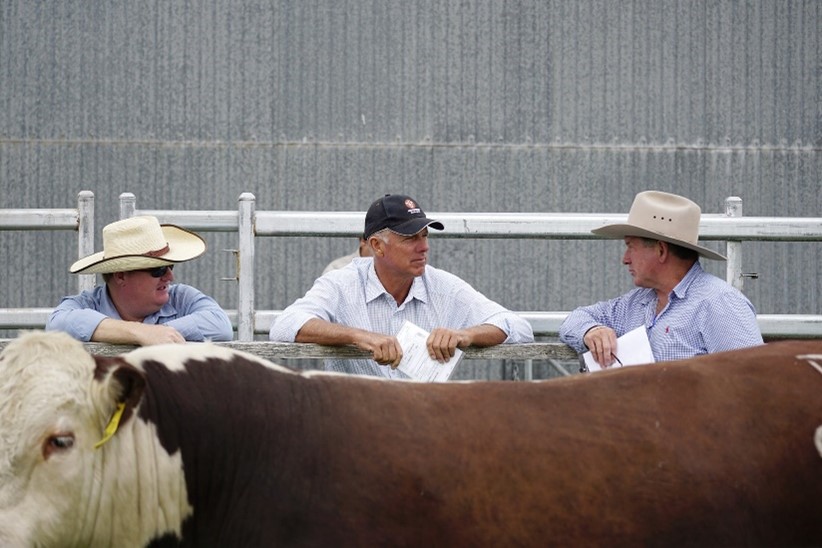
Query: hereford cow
(197, 445)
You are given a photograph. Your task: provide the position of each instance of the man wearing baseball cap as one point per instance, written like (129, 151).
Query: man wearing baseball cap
(365, 303)
(138, 303)
(685, 310)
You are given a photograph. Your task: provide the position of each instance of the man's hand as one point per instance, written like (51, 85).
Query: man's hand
(602, 342)
(148, 334)
(442, 343)
(385, 349)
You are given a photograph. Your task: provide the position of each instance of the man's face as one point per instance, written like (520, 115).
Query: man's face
(144, 294)
(642, 258)
(406, 255)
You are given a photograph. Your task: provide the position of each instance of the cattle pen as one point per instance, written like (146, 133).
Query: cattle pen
(731, 227)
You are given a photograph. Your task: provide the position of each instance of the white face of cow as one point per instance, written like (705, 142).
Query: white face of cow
(55, 487)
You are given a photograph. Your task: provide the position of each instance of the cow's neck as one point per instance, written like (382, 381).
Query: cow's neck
(143, 488)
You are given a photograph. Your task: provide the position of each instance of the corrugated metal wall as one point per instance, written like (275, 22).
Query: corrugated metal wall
(484, 105)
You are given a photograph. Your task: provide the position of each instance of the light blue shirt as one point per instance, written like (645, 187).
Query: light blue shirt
(354, 296)
(194, 314)
(704, 315)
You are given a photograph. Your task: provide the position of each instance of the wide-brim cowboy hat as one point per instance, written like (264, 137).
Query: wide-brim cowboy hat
(140, 242)
(662, 216)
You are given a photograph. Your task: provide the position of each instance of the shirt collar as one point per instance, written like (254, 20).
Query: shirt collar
(106, 305)
(374, 288)
(681, 289)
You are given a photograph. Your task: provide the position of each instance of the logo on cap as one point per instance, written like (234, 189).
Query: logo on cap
(412, 207)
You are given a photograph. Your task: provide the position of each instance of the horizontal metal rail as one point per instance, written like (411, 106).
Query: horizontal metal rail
(39, 219)
(546, 226)
(490, 225)
(80, 220)
(731, 227)
(199, 221)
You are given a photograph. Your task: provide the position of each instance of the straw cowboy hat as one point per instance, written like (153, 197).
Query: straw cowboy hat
(140, 242)
(662, 216)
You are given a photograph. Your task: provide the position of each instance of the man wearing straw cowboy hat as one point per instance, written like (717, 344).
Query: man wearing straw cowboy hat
(138, 304)
(685, 310)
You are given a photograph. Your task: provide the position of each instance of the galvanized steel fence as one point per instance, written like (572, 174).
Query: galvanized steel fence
(730, 226)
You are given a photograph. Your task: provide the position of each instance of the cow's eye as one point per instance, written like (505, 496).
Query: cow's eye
(62, 442)
(58, 443)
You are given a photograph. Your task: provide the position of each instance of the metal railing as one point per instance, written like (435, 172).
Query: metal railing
(79, 219)
(731, 227)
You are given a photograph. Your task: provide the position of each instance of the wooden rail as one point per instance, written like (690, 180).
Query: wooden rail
(275, 351)
(544, 324)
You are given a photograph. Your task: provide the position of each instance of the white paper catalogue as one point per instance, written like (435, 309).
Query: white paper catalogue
(416, 363)
(633, 348)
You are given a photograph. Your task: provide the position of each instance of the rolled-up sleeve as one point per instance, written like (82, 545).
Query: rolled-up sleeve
(517, 328)
(579, 321)
(728, 322)
(461, 298)
(76, 316)
(199, 317)
(319, 302)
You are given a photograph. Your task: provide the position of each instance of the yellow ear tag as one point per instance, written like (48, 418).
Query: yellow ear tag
(112, 425)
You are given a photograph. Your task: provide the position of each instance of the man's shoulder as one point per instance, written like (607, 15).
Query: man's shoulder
(356, 269)
(707, 286)
(707, 281)
(177, 287)
(90, 298)
(630, 297)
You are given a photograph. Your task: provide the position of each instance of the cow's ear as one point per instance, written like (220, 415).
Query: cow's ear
(123, 383)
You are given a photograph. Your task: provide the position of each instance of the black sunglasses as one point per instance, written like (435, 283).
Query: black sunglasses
(158, 272)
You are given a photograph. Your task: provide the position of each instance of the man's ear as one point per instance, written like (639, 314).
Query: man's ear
(376, 246)
(662, 251)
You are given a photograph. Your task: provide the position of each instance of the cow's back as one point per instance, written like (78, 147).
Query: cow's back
(714, 450)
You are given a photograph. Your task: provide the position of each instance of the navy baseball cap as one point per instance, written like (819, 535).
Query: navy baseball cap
(400, 214)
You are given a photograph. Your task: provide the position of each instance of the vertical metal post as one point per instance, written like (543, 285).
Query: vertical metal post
(733, 272)
(245, 268)
(85, 238)
(128, 204)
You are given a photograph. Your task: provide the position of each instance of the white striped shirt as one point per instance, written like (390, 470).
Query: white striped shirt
(354, 296)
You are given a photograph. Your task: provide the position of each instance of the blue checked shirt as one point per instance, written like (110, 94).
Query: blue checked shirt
(354, 296)
(194, 314)
(704, 315)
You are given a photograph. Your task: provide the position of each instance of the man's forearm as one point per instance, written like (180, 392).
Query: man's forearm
(486, 335)
(122, 332)
(322, 332)
(114, 332)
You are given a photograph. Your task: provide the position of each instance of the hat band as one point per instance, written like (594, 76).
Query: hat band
(157, 253)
